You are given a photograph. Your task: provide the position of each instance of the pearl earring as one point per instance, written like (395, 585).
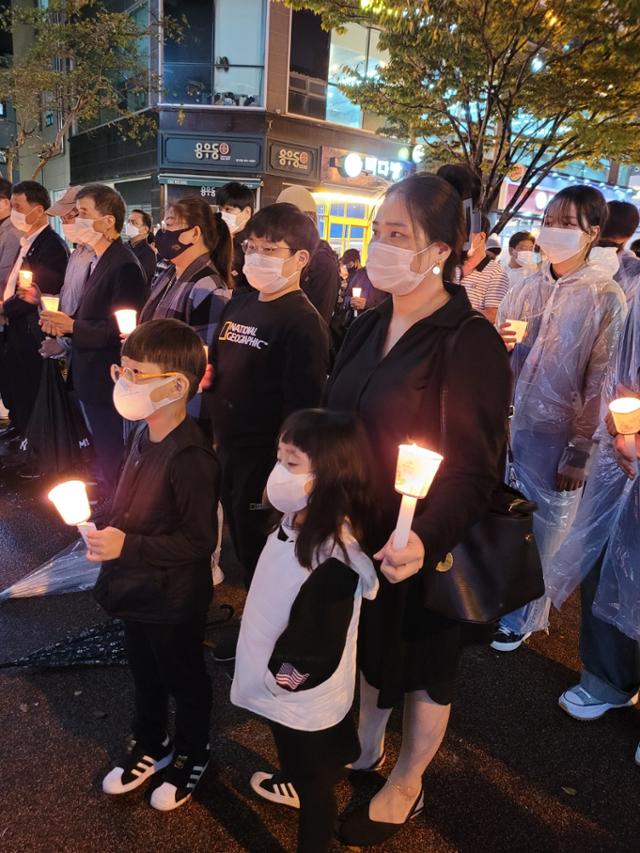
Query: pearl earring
(437, 269)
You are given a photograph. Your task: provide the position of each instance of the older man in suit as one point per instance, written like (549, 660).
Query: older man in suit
(116, 281)
(44, 254)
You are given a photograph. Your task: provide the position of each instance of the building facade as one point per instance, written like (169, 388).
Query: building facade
(250, 94)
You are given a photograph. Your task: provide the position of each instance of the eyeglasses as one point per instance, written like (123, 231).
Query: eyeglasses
(269, 251)
(135, 376)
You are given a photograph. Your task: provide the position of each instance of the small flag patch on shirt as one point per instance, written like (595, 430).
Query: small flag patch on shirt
(289, 677)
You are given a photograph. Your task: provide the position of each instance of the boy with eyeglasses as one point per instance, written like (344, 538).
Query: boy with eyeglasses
(156, 559)
(270, 359)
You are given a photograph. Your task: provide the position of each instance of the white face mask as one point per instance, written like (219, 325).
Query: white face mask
(232, 221)
(529, 260)
(72, 232)
(288, 492)
(19, 221)
(561, 244)
(86, 232)
(131, 230)
(133, 401)
(605, 258)
(264, 273)
(389, 268)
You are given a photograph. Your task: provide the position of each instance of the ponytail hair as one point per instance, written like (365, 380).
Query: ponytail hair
(196, 211)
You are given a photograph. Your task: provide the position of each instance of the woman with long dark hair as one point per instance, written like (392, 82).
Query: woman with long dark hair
(195, 287)
(396, 365)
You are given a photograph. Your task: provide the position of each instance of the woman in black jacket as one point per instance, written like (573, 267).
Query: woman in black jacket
(391, 370)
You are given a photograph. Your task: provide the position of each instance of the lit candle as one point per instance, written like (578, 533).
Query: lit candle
(50, 303)
(206, 351)
(71, 501)
(415, 472)
(127, 320)
(519, 327)
(25, 278)
(357, 292)
(626, 417)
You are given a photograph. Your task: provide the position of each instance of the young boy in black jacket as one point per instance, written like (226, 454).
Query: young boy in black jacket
(156, 559)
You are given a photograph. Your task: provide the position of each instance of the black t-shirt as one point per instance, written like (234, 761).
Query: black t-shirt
(269, 359)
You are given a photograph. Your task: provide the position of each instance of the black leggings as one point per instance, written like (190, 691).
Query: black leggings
(314, 763)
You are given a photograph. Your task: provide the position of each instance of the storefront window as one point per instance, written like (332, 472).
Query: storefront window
(345, 225)
(220, 58)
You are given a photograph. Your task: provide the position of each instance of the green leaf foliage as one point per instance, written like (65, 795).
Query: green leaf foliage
(496, 83)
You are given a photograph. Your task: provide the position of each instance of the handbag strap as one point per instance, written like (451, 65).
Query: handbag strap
(449, 348)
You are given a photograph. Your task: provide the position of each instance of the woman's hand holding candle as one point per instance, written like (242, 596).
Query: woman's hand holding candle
(625, 412)
(398, 564)
(105, 544)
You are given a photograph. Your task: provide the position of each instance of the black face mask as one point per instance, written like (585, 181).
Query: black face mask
(168, 245)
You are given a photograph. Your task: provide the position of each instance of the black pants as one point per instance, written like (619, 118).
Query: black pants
(5, 385)
(244, 476)
(107, 431)
(168, 660)
(314, 762)
(23, 366)
(610, 659)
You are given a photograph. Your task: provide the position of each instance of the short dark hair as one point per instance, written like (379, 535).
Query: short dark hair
(336, 443)
(34, 192)
(172, 345)
(146, 219)
(520, 237)
(284, 222)
(623, 220)
(351, 256)
(635, 247)
(235, 194)
(436, 206)
(590, 205)
(5, 188)
(108, 202)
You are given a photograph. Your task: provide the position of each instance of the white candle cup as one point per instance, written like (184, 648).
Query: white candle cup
(127, 320)
(71, 501)
(415, 473)
(357, 292)
(626, 418)
(50, 303)
(25, 278)
(519, 327)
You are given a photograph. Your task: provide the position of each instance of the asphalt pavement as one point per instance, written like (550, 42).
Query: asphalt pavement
(514, 774)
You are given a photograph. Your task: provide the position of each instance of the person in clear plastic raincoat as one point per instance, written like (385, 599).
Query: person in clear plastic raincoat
(602, 554)
(622, 224)
(574, 313)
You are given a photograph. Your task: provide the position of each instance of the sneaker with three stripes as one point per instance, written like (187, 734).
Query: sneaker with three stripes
(136, 767)
(275, 788)
(179, 781)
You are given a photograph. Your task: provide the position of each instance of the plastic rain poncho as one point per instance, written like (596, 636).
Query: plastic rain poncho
(574, 324)
(609, 516)
(628, 275)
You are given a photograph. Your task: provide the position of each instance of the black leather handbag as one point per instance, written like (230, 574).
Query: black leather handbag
(496, 568)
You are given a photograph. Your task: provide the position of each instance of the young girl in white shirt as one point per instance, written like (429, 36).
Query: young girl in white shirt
(296, 656)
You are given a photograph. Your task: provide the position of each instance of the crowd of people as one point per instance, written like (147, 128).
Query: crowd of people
(271, 378)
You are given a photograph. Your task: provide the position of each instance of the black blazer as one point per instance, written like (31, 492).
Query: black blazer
(146, 258)
(47, 259)
(117, 281)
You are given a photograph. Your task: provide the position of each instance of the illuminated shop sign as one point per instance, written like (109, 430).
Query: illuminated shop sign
(210, 150)
(363, 170)
(292, 159)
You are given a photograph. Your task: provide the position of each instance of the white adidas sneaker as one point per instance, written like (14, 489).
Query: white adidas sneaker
(136, 767)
